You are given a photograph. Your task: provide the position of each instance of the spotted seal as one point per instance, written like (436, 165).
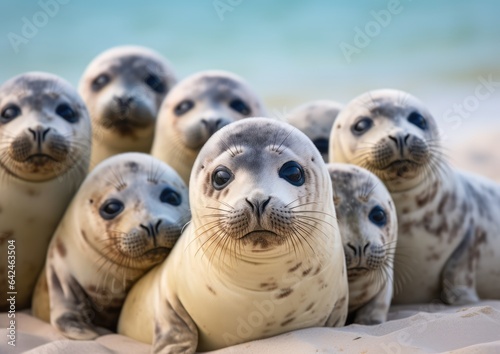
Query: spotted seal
(126, 217)
(123, 88)
(45, 138)
(369, 228)
(262, 254)
(315, 119)
(195, 109)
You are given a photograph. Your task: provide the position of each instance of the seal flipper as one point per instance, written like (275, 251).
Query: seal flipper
(70, 309)
(375, 311)
(175, 331)
(459, 273)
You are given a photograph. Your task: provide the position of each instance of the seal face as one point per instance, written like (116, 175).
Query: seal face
(448, 236)
(44, 155)
(123, 88)
(315, 119)
(194, 110)
(125, 219)
(263, 239)
(368, 225)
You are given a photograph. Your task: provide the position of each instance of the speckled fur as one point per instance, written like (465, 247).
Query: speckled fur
(93, 262)
(449, 233)
(34, 191)
(178, 139)
(230, 280)
(369, 249)
(124, 111)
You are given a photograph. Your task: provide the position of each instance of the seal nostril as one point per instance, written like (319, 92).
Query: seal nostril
(264, 205)
(157, 226)
(406, 139)
(33, 132)
(44, 133)
(394, 139)
(365, 248)
(145, 228)
(352, 247)
(250, 203)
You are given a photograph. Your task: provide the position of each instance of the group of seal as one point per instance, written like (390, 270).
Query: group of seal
(45, 137)
(269, 238)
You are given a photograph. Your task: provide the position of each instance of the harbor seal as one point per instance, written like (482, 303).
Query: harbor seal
(123, 88)
(45, 135)
(196, 108)
(315, 119)
(447, 219)
(262, 254)
(369, 228)
(126, 217)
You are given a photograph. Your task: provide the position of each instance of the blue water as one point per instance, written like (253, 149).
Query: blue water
(289, 51)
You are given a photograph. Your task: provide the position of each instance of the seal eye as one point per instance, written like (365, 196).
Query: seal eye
(155, 83)
(111, 208)
(10, 112)
(377, 216)
(362, 126)
(100, 81)
(322, 145)
(417, 119)
(170, 196)
(221, 177)
(293, 173)
(183, 107)
(67, 113)
(240, 107)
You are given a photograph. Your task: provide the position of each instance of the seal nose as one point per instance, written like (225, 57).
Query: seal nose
(258, 206)
(359, 251)
(123, 101)
(152, 229)
(39, 134)
(400, 140)
(213, 124)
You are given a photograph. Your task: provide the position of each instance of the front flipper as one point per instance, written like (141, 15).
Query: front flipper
(175, 331)
(70, 309)
(375, 311)
(459, 273)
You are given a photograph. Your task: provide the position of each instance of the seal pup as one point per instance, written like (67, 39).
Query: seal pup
(447, 219)
(126, 217)
(195, 109)
(123, 88)
(45, 139)
(315, 119)
(368, 225)
(262, 254)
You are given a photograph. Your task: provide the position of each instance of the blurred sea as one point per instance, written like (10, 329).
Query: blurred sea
(289, 51)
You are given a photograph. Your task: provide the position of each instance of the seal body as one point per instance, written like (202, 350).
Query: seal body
(315, 119)
(368, 225)
(126, 217)
(195, 109)
(45, 149)
(449, 237)
(123, 88)
(262, 251)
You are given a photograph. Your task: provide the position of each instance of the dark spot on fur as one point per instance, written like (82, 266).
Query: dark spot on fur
(307, 271)
(294, 268)
(284, 293)
(269, 324)
(84, 235)
(60, 247)
(284, 323)
(308, 308)
(290, 314)
(211, 290)
(317, 270)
